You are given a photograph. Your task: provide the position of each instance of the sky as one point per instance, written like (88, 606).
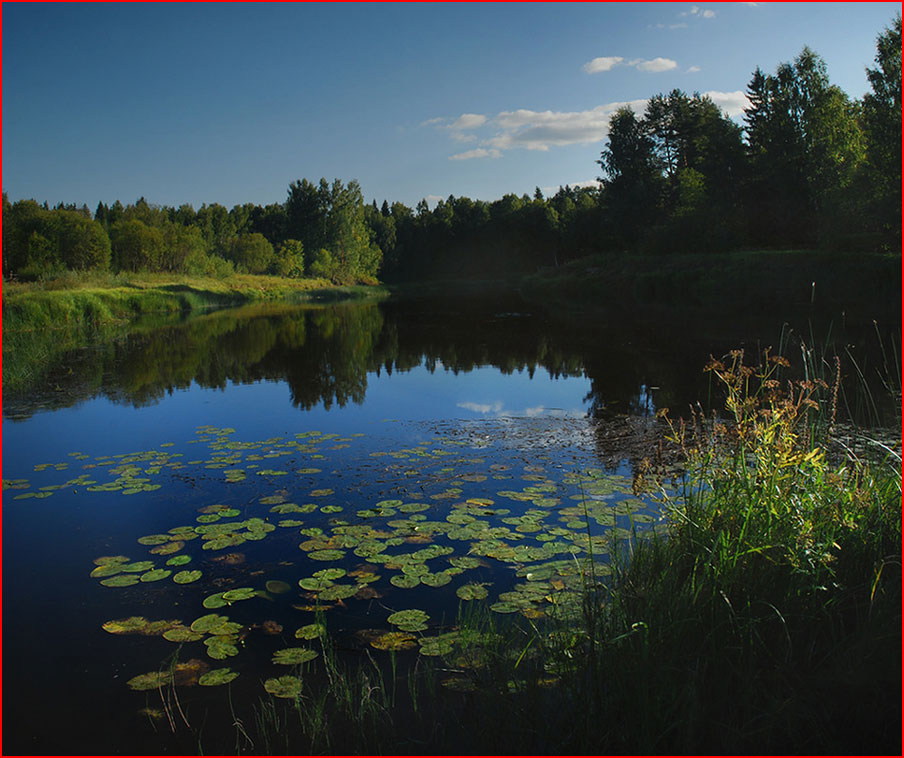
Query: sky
(231, 102)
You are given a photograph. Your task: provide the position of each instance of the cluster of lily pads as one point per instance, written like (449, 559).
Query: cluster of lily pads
(458, 504)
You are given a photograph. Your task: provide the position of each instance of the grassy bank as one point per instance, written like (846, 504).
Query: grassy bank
(42, 320)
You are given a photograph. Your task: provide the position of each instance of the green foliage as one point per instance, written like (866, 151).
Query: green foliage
(251, 253)
(289, 260)
(331, 218)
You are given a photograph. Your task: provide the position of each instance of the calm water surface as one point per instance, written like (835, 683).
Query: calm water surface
(273, 442)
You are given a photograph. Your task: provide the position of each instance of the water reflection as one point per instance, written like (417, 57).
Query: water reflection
(325, 354)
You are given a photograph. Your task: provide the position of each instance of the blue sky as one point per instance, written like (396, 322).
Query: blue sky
(229, 103)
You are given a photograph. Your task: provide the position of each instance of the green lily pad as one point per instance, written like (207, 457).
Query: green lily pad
(294, 655)
(206, 623)
(109, 569)
(154, 539)
(105, 560)
(216, 677)
(179, 560)
(239, 593)
(151, 681)
(330, 573)
(314, 584)
(155, 575)
(339, 592)
(435, 646)
(404, 581)
(186, 577)
(120, 580)
(412, 620)
(310, 632)
(436, 580)
(394, 641)
(224, 628)
(139, 567)
(219, 648)
(214, 601)
(472, 592)
(181, 634)
(284, 686)
(130, 625)
(326, 555)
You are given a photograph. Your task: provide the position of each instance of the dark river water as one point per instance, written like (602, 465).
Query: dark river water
(327, 465)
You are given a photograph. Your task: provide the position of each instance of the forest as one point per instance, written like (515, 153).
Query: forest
(810, 168)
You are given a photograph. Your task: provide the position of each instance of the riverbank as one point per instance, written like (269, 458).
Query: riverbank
(863, 286)
(96, 299)
(42, 320)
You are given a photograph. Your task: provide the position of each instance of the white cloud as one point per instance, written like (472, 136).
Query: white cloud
(693, 69)
(602, 64)
(607, 64)
(479, 152)
(733, 103)
(482, 408)
(539, 130)
(430, 121)
(468, 121)
(696, 10)
(656, 65)
(462, 137)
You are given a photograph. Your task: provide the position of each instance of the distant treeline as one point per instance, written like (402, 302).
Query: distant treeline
(810, 168)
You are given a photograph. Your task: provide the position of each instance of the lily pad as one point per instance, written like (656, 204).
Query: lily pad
(436, 580)
(206, 623)
(330, 573)
(182, 634)
(154, 539)
(138, 567)
(214, 601)
(339, 592)
(405, 581)
(186, 577)
(221, 647)
(284, 686)
(278, 587)
(394, 641)
(412, 620)
(239, 593)
(120, 580)
(294, 655)
(310, 632)
(472, 592)
(326, 555)
(155, 575)
(435, 646)
(216, 677)
(150, 681)
(179, 560)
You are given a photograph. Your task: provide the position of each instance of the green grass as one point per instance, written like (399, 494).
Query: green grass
(43, 320)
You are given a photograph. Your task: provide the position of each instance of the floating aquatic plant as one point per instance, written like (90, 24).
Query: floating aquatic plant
(284, 686)
(294, 655)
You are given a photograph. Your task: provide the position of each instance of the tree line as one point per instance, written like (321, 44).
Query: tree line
(809, 167)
